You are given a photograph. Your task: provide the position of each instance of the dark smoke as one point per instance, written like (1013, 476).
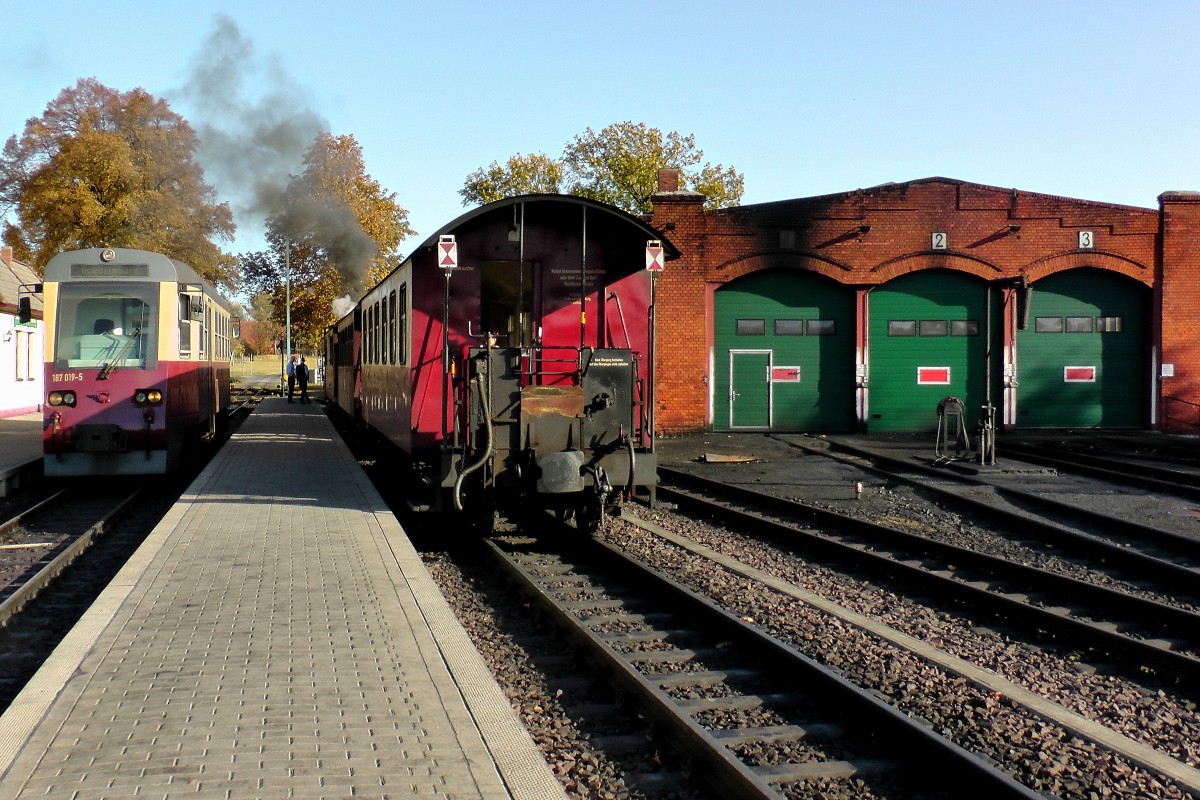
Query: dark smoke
(251, 147)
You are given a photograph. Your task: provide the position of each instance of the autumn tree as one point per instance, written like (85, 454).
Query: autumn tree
(619, 165)
(102, 168)
(532, 174)
(336, 233)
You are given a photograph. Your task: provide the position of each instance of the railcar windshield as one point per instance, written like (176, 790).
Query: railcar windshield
(107, 324)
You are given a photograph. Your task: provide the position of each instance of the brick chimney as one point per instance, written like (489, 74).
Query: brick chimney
(668, 180)
(6, 255)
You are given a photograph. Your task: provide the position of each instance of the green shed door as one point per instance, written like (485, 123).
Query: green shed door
(928, 341)
(784, 353)
(1081, 361)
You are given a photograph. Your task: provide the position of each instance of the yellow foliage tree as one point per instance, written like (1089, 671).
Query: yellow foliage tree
(337, 232)
(101, 168)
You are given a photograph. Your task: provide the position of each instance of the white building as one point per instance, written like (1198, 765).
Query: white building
(22, 376)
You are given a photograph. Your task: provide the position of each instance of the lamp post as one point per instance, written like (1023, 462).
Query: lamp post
(287, 267)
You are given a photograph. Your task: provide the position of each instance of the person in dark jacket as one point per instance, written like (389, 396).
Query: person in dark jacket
(302, 379)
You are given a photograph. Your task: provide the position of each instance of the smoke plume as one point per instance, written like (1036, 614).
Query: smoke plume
(251, 146)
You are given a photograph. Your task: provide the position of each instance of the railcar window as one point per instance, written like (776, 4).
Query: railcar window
(1108, 324)
(402, 325)
(392, 321)
(789, 327)
(103, 322)
(366, 343)
(902, 327)
(1048, 325)
(751, 327)
(376, 342)
(1079, 325)
(822, 327)
(964, 327)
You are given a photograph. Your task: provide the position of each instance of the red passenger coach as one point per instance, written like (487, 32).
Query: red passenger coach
(510, 358)
(137, 362)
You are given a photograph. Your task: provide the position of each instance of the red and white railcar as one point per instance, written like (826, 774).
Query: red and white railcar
(513, 367)
(137, 362)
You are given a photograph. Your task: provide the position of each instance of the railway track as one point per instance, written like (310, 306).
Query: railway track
(1106, 625)
(42, 541)
(753, 715)
(1166, 559)
(57, 555)
(1104, 464)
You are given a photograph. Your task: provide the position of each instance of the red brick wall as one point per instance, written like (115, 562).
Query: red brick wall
(1179, 305)
(867, 237)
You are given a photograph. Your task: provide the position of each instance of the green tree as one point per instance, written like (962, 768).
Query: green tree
(101, 168)
(336, 232)
(619, 165)
(531, 174)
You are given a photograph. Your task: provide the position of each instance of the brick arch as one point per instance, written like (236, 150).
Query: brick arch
(916, 262)
(1110, 262)
(807, 262)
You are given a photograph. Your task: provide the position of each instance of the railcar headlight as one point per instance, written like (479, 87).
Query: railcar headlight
(69, 398)
(57, 398)
(147, 397)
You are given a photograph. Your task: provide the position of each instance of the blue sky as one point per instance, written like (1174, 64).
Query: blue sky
(1095, 100)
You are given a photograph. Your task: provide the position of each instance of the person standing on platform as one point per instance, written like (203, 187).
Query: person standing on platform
(291, 376)
(302, 379)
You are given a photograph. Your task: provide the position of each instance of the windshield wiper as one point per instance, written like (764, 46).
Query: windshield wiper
(111, 365)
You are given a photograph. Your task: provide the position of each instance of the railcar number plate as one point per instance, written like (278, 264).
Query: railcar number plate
(56, 377)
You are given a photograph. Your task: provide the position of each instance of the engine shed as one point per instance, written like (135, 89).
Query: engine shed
(861, 311)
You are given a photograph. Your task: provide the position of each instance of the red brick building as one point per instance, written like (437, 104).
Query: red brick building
(865, 307)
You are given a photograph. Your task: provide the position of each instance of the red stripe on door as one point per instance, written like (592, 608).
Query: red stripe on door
(936, 376)
(1079, 374)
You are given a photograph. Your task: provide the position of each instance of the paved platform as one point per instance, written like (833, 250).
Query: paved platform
(276, 636)
(20, 450)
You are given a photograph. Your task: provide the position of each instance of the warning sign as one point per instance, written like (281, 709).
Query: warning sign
(447, 251)
(654, 255)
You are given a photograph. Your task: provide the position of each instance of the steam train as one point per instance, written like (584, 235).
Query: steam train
(509, 358)
(137, 362)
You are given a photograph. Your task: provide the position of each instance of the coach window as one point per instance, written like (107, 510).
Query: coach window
(392, 328)
(402, 324)
(375, 345)
(902, 327)
(1108, 324)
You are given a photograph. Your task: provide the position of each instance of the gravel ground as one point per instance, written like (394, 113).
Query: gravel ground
(529, 664)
